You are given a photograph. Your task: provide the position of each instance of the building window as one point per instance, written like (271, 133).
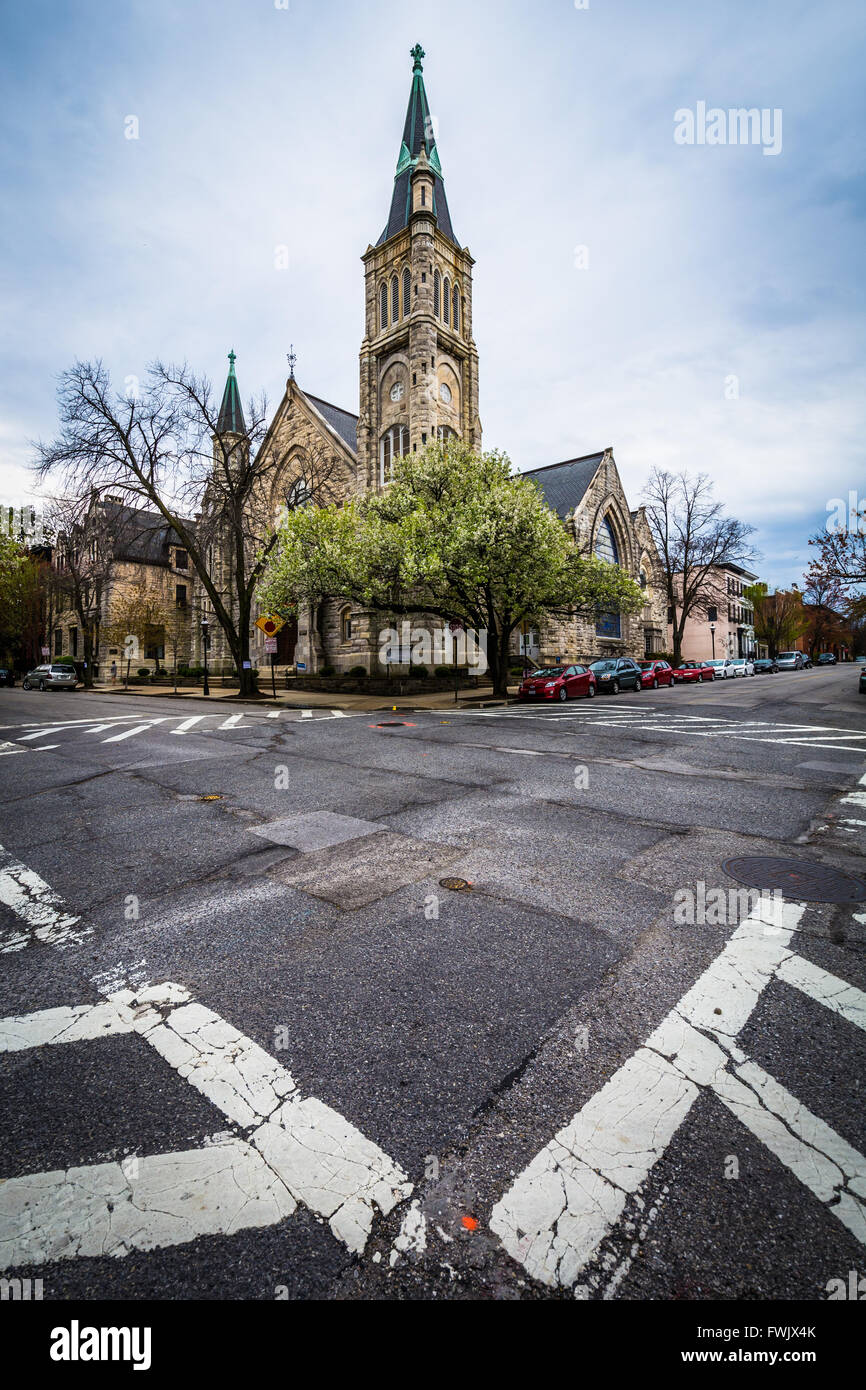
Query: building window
(712, 615)
(456, 307)
(58, 641)
(445, 432)
(181, 560)
(437, 288)
(605, 543)
(180, 595)
(346, 624)
(446, 298)
(407, 291)
(393, 444)
(642, 579)
(608, 625)
(423, 195)
(395, 299)
(383, 307)
(73, 640)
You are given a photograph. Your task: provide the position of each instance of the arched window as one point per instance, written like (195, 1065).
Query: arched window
(395, 299)
(444, 432)
(393, 444)
(437, 285)
(605, 543)
(407, 291)
(346, 625)
(383, 307)
(456, 308)
(446, 298)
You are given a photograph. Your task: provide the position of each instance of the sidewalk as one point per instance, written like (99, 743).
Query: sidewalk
(318, 699)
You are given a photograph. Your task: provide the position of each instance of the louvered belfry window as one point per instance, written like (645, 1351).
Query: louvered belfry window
(447, 299)
(437, 285)
(407, 291)
(456, 315)
(383, 307)
(395, 299)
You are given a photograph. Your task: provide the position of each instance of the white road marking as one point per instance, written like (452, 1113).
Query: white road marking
(273, 714)
(138, 729)
(232, 722)
(39, 907)
(7, 748)
(295, 1149)
(40, 733)
(45, 747)
(306, 714)
(338, 714)
(188, 724)
(825, 988)
(567, 1200)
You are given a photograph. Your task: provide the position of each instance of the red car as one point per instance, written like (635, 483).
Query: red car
(557, 683)
(695, 671)
(655, 673)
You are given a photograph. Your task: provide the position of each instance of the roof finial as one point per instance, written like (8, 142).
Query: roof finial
(292, 359)
(232, 362)
(417, 53)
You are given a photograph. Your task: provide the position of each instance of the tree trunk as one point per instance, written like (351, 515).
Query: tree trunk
(497, 657)
(88, 658)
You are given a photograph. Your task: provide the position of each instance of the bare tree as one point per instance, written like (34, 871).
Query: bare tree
(162, 447)
(83, 553)
(695, 541)
(779, 617)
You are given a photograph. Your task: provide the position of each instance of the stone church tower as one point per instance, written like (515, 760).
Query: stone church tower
(419, 362)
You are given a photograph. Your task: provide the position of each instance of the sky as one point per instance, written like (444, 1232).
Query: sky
(696, 306)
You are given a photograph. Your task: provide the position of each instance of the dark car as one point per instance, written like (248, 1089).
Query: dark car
(655, 673)
(694, 672)
(863, 681)
(557, 683)
(7, 677)
(826, 659)
(765, 665)
(616, 673)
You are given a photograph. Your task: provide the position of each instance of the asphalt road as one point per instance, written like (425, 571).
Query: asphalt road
(255, 1049)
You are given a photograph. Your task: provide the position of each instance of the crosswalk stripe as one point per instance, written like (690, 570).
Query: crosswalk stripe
(41, 909)
(338, 713)
(41, 733)
(187, 724)
(64, 1025)
(306, 714)
(138, 729)
(273, 714)
(232, 722)
(824, 988)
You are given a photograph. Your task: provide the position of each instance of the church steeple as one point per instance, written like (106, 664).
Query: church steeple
(231, 416)
(418, 136)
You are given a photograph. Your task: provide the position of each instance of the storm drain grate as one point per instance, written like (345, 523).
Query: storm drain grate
(392, 724)
(797, 878)
(455, 885)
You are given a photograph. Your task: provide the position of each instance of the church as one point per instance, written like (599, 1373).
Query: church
(418, 383)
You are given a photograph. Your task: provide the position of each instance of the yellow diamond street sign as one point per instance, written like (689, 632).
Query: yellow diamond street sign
(270, 626)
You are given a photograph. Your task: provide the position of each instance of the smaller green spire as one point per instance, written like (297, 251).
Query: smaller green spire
(231, 416)
(417, 53)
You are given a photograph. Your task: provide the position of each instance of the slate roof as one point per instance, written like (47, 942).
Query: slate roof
(417, 135)
(564, 485)
(343, 421)
(139, 535)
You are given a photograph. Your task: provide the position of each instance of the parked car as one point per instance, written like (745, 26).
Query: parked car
(860, 659)
(694, 672)
(558, 683)
(862, 682)
(616, 673)
(723, 668)
(807, 661)
(51, 678)
(826, 659)
(765, 665)
(655, 673)
(743, 666)
(7, 676)
(790, 661)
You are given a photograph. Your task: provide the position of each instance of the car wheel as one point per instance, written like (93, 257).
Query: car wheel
(41, 685)
(590, 692)
(638, 685)
(25, 685)
(614, 687)
(563, 693)
(700, 680)
(655, 683)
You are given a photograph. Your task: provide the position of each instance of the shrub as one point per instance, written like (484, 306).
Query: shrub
(420, 672)
(452, 671)
(357, 671)
(143, 671)
(327, 671)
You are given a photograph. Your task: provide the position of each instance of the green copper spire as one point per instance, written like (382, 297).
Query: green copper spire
(418, 134)
(231, 416)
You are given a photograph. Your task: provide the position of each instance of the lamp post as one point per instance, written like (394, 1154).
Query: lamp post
(205, 638)
(713, 638)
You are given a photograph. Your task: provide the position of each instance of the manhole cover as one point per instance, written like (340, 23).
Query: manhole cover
(797, 878)
(455, 885)
(213, 796)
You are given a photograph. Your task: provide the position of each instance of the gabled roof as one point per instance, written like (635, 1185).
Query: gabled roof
(343, 421)
(564, 485)
(231, 416)
(418, 135)
(139, 535)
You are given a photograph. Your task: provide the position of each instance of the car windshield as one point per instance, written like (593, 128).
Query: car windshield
(603, 666)
(785, 656)
(546, 671)
(717, 662)
(62, 671)
(646, 665)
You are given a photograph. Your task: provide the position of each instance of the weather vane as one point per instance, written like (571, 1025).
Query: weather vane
(292, 357)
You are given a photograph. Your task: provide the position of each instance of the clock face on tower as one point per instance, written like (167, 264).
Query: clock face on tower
(445, 393)
(397, 391)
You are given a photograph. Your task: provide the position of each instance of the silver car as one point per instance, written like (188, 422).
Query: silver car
(51, 678)
(790, 661)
